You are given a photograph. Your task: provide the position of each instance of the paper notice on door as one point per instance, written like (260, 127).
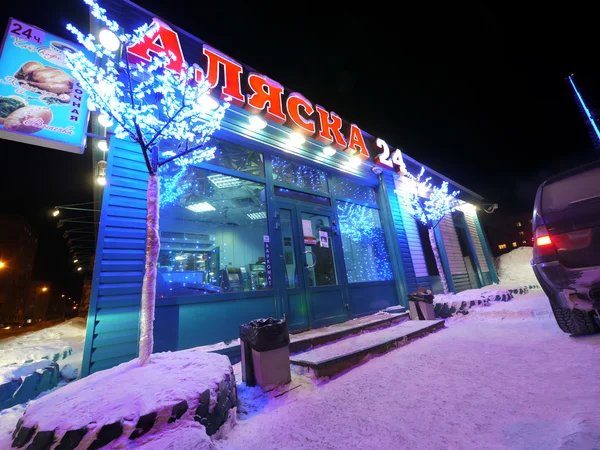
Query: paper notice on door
(324, 239)
(307, 227)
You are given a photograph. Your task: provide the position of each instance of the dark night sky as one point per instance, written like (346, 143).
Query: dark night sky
(473, 91)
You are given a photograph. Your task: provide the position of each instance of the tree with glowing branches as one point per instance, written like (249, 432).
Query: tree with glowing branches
(147, 103)
(429, 204)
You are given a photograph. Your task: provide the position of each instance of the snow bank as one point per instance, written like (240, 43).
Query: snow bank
(514, 268)
(44, 344)
(200, 384)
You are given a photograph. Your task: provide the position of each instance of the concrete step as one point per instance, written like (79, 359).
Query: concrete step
(300, 342)
(336, 357)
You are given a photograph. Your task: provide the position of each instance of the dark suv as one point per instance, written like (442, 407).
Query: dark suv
(566, 248)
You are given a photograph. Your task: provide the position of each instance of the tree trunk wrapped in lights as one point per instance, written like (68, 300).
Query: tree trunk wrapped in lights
(148, 103)
(429, 204)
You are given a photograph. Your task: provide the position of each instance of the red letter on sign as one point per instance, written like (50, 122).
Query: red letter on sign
(163, 40)
(265, 91)
(233, 72)
(329, 129)
(293, 104)
(356, 143)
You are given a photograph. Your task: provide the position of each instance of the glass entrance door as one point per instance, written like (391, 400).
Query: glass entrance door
(309, 245)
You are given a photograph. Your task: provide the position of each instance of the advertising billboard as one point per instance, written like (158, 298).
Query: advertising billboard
(40, 102)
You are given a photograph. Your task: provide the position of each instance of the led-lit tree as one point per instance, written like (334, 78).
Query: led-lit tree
(429, 204)
(148, 104)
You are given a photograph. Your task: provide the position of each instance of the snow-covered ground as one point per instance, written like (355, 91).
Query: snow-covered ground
(503, 377)
(514, 268)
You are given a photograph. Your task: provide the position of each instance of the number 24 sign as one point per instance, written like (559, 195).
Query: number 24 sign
(390, 160)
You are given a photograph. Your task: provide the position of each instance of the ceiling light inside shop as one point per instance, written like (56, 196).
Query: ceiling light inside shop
(297, 138)
(329, 150)
(201, 207)
(207, 102)
(180, 258)
(109, 40)
(224, 181)
(256, 122)
(257, 215)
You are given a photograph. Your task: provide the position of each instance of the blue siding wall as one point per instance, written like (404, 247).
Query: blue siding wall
(409, 271)
(113, 318)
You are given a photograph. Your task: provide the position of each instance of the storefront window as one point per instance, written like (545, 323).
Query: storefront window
(211, 236)
(238, 158)
(352, 190)
(299, 175)
(363, 241)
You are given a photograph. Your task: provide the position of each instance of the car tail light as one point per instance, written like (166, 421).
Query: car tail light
(543, 245)
(573, 240)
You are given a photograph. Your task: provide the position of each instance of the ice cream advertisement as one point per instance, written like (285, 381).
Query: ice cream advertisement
(40, 102)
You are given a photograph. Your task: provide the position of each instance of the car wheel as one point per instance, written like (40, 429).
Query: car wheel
(575, 321)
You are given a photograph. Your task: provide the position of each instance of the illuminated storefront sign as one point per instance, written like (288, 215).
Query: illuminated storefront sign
(40, 103)
(267, 97)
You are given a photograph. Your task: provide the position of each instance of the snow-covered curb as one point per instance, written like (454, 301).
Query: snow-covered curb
(21, 383)
(125, 402)
(447, 305)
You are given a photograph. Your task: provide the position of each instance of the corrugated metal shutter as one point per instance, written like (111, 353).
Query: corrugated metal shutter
(456, 263)
(113, 321)
(476, 241)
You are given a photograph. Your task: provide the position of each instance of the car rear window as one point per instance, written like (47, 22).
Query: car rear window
(569, 191)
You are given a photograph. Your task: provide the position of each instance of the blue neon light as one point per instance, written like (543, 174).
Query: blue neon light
(587, 111)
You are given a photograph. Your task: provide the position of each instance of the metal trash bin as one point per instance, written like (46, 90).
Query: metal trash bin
(265, 352)
(421, 304)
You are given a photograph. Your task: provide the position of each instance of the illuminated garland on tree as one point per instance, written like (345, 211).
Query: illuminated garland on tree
(429, 210)
(151, 104)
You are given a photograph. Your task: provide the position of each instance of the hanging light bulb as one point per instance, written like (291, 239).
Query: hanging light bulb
(329, 150)
(256, 122)
(101, 180)
(103, 145)
(109, 40)
(105, 120)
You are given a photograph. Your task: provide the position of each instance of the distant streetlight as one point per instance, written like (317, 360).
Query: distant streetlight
(75, 261)
(2, 264)
(56, 212)
(44, 289)
(79, 269)
(63, 296)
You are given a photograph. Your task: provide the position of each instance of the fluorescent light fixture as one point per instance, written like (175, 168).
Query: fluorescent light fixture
(109, 40)
(296, 138)
(103, 145)
(224, 181)
(207, 102)
(256, 122)
(180, 258)
(257, 215)
(201, 207)
(105, 120)
(329, 150)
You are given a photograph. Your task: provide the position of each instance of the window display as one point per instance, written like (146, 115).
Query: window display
(212, 236)
(299, 175)
(363, 241)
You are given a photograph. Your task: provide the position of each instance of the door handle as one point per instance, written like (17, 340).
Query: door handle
(306, 266)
